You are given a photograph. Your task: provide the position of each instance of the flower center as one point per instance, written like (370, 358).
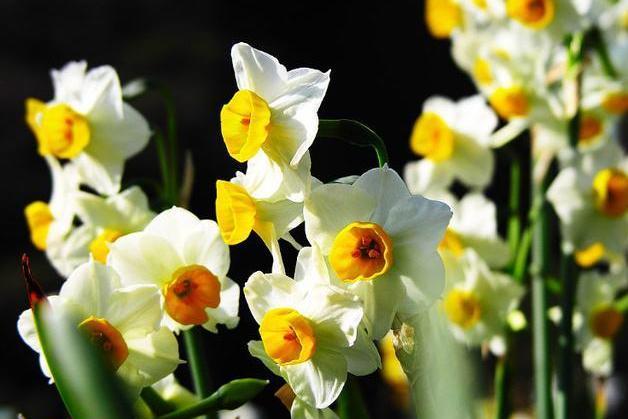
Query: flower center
(432, 137)
(590, 129)
(361, 251)
(535, 14)
(99, 247)
(106, 338)
(38, 217)
(590, 256)
(244, 123)
(510, 102)
(235, 212)
(482, 72)
(610, 187)
(616, 103)
(462, 308)
(192, 289)
(605, 322)
(287, 336)
(60, 130)
(442, 17)
(451, 242)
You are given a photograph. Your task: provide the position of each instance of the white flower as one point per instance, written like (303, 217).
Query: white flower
(272, 121)
(380, 243)
(186, 261)
(239, 213)
(477, 301)
(123, 323)
(596, 322)
(306, 328)
(104, 220)
(591, 199)
(48, 222)
(454, 139)
(88, 122)
(557, 18)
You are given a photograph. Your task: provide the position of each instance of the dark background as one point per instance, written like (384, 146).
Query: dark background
(384, 65)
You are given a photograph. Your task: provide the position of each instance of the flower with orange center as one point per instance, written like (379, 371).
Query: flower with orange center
(454, 139)
(122, 323)
(272, 120)
(380, 243)
(616, 103)
(591, 200)
(510, 102)
(591, 127)
(308, 331)
(478, 301)
(534, 14)
(186, 260)
(605, 322)
(88, 123)
(361, 251)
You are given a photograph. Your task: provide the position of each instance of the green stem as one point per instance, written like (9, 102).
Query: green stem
(514, 222)
(164, 167)
(566, 340)
(622, 304)
(502, 377)
(155, 402)
(355, 133)
(539, 269)
(198, 363)
(351, 403)
(599, 46)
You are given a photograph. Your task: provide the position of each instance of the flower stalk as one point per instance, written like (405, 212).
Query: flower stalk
(198, 364)
(355, 133)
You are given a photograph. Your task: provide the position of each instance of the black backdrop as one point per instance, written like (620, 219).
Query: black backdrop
(383, 62)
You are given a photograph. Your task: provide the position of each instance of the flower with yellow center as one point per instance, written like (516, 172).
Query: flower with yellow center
(597, 320)
(88, 123)
(122, 323)
(616, 103)
(478, 301)
(380, 243)
(454, 139)
(186, 261)
(443, 17)
(272, 121)
(591, 128)
(306, 329)
(535, 14)
(239, 213)
(591, 200)
(510, 102)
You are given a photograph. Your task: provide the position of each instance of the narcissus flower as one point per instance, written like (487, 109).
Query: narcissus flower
(239, 213)
(88, 123)
(380, 243)
(187, 261)
(48, 222)
(124, 323)
(454, 139)
(103, 220)
(477, 301)
(591, 199)
(306, 328)
(272, 121)
(596, 322)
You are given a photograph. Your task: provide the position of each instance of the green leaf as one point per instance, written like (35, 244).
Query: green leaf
(228, 397)
(353, 132)
(351, 403)
(85, 381)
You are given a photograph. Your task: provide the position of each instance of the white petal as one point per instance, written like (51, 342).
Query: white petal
(284, 215)
(423, 276)
(28, 332)
(101, 94)
(330, 208)
(311, 266)
(363, 357)
(472, 163)
(126, 134)
(134, 307)
(318, 381)
(274, 179)
(475, 119)
(258, 71)
(156, 355)
(424, 176)
(443, 107)
(386, 187)
(227, 312)
(475, 215)
(68, 83)
(102, 172)
(90, 287)
(266, 291)
(302, 410)
(143, 258)
(175, 225)
(204, 246)
(66, 252)
(381, 298)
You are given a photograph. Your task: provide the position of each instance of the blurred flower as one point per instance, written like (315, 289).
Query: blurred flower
(88, 123)
(305, 327)
(393, 374)
(272, 121)
(186, 261)
(380, 243)
(478, 301)
(122, 322)
(454, 139)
